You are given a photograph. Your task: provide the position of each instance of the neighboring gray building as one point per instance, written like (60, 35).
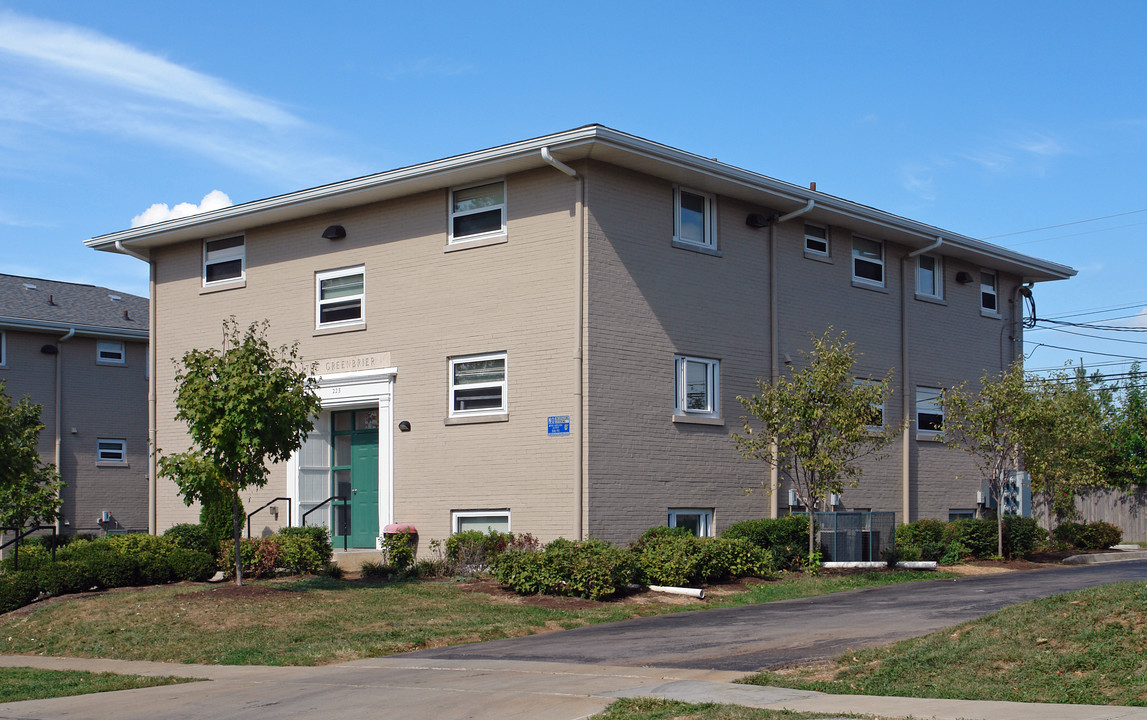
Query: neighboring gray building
(550, 335)
(80, 352)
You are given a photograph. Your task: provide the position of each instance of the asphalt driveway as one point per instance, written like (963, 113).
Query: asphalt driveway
(769, 635)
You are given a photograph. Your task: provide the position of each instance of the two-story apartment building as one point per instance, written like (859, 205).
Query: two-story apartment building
(550, 336)
(80, 352)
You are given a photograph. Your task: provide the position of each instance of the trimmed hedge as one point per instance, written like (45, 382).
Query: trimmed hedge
(191, 565)
(64, 577)
(190, 536)
(950, 542)
(1088, 536)
(785, 537)
(17, 589)
(304, 550)
(591, 569)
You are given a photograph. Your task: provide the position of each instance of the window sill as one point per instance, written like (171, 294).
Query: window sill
(229, 285)
(809, 255)
(694, 247)
(476, 419)
(109, 464)
(698, 420)
(929, 437)
(990, 314)
(357, 327)
(931, 299)
(106, 363)
(869, 286)
(477, 242)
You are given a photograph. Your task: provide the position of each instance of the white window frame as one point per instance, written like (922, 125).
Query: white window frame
(453, 239)
(226, 255)
(933, 404)
(111, 346)
(937, 289)
(993, 290)
(706, 529)
(502, 384)
(110, 442)
(712, 386)
(319, 302)
(708, 224)
(457, 515)
(879, 263)
(816, 239)
(3, 349)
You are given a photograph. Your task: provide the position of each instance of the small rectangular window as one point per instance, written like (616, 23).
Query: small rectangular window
(816, 240)
(961, 514)
(110, 352)
(340, 297)
(988, 293)
(868, 261)
(113, 451)
(3, 349)
(694, 219)
(477, 212)
(929, 410)
(224, 260)
(478, 384)
(698, 522)
(698, 382)
(482, 521)
(929, 276)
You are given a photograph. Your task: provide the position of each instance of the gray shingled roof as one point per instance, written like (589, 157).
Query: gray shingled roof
(29, 302)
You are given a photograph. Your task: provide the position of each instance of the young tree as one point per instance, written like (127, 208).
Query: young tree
(988, 425)
(244, 405)
(1130, 444)
(1066, 437)
(29, 489)
(817, 424)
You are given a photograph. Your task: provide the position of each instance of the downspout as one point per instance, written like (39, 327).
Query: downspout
(152, 412)
(774, 334)
(59, 415)
(577, 421)
(905, 381)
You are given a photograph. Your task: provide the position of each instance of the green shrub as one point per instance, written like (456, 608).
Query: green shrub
(978, 535)
(1022, 536)
(398, 548)
(17, 589)
(136, 544)
(786, 537)
(909, 553)
(933, 551)
(154, 569)
(32, 556)
(591, 569)
(722, 558)
(304, 550)
(378, 570)
(108, 566)
(215, 517)
(921, 532)
(64, 577)
(260, 557)
(668, 558)
(191, 536)
(1088, 536)
(193, 565)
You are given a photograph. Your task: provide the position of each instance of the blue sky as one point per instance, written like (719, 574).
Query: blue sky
(985, 118)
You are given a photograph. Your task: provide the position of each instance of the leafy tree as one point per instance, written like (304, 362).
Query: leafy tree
(1130, 433)
(988, 425)
(1066, 433)
(29, 488)
(817, 424)
(244, 405)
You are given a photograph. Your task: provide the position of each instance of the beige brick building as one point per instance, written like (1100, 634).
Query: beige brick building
(80, 352)
(550, 335)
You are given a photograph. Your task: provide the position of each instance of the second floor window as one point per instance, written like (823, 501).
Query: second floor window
(224, 260)
(341, 297)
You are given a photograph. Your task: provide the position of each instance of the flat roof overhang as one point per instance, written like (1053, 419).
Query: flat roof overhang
(592, 142)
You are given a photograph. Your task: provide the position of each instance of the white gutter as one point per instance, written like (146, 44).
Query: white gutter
(774, 340)
(938, 242)
(59, 398)
(577, 419)
(128, 251)
(81, 330)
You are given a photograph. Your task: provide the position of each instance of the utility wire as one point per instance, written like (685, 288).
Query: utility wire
(1066, 224)
(1095, 337)
(1085, 352)
(1096, 311)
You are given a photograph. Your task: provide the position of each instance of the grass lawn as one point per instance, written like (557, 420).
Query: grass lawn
(315, 621)
(1085, 647)
(20, 683)
(650, 709)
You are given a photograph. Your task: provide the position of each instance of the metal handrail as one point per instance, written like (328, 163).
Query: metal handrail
(316, 507)
(266, 505)
(21, 536)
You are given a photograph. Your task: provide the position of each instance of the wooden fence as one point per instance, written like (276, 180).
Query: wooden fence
(1125, 508)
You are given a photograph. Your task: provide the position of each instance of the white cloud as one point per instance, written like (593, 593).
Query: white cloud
(1139, 321)
(160, 211)
(1043, 145)
(918, 179)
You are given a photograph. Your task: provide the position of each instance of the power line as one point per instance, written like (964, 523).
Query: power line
(1085, 232)
(1097, 326)
(1085, 352)
(1096, 337)
(1096, 311)
(1066, 224)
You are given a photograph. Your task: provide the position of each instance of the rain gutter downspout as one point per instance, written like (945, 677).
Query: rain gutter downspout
(152, 412)
(906, 382)
(577, 421)
(59, 415)
(774, 333)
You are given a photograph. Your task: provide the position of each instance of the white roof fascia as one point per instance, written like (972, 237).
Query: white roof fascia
(8, 323)
(592, 141)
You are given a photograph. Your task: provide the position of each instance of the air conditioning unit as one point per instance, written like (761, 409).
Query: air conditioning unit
(833, 500)
(794, 498)
(979, 497)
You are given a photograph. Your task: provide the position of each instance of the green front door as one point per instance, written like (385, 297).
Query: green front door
(354, 475)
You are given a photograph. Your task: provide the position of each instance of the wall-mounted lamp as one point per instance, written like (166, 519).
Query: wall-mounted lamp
(334, 232)
(757, 220)
(963, 277)
(49, 349)
(786, 359)
(404, 426)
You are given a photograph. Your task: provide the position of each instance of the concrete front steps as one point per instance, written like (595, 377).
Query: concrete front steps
(352, 560)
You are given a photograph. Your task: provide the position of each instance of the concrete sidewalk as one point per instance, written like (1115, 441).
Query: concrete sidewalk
(407, 687)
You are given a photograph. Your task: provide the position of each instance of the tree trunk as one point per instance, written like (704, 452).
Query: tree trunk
(236, 532)
(811, 533)
(1000, 522)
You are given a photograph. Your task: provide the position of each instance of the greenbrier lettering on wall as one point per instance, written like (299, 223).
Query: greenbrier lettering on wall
(351, 363)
